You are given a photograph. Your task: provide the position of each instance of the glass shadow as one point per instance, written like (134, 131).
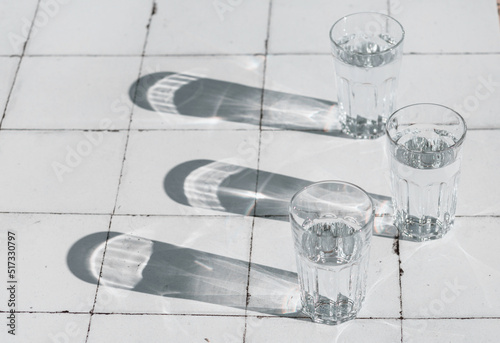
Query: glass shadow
(230, 188)
(143, 265)
(168, 93)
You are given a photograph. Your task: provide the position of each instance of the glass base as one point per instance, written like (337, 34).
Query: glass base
(328, 311)
(420, 229)
(362, 128)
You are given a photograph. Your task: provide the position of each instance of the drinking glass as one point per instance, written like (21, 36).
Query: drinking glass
(332, 223)
(425, 149)
(367, 50)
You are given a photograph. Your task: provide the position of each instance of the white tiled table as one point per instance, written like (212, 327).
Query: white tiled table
(129, 225)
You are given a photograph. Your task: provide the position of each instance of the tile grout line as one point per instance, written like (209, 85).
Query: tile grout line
(153, 11)
(321, 132)
(264, 68)
(416, 53)
(264, 216)
(396, 248)
(126, 130)
(400, 276)
(141, 55)
(270, 317)
(285, 53)
(19, 63)
(451, 53)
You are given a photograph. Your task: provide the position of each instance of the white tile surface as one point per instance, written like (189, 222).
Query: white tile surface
(361, 330)
(62, 172)
(300, 93)
(382, 291)
(333, 158)
(8, 67)
(48, 327)
(307, 75)
(153, 155)
(273, 282)
(479, 176)
(451, 330)
(448, 26)
(15, 18)
(209, 92)
(132, 328)
(470, 84)
(299, 27)
(90, 27)
(191, 27)
(460, 271)
(193, 155)
(46, 261)
(72, 93)
(176, 265)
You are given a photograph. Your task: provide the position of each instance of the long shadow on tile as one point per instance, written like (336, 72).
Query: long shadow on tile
(143, 265)
(168, 94)
(230, 188)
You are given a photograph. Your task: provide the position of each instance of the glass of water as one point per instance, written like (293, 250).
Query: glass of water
(425, 149)
(367, 50)
(332, 224)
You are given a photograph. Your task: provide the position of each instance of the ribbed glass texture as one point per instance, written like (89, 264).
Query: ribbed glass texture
(332, 225)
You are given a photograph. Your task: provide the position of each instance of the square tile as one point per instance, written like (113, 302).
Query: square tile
(451, 330)
(48, 327)
(305, 162)
(93, 27)
(455, 276)
(470, 84)
(382, 290)
(303, 27)
(48, 262)
(189, 173)
(300, 93)
(429, 27)
(273, 284)
(62, 172)
(210, 92)
(15, 19)
(266, 329)
(84, 93)
(151, 328)
(215, 27)
(8, 67)
(478, 186)
(176, 265)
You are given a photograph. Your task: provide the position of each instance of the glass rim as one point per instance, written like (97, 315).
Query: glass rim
(400, 41)
(339, 182)
(458, 115)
